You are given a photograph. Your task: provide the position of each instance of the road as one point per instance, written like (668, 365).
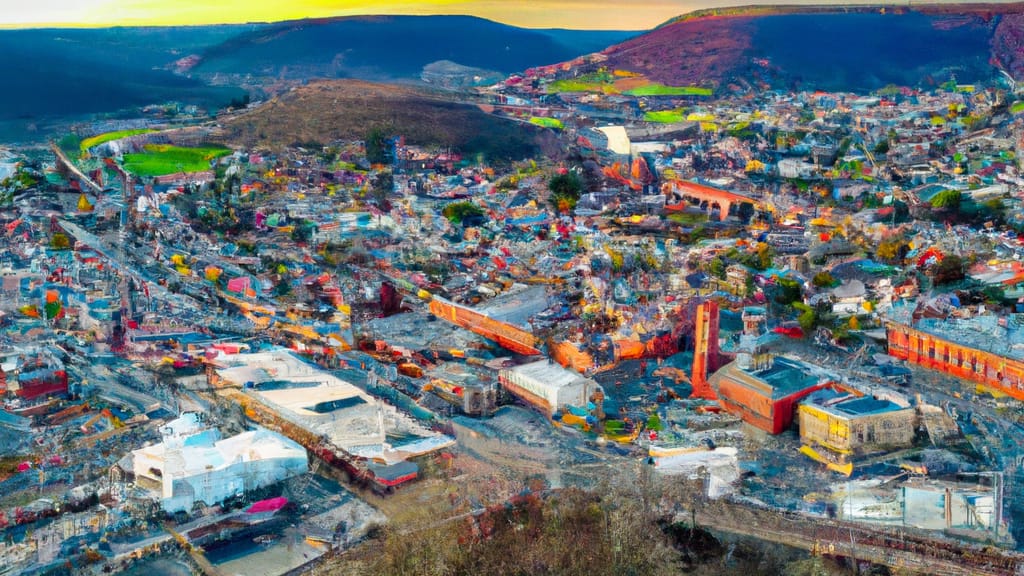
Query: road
(62, 159)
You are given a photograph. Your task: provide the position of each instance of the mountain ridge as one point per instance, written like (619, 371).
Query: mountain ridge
(855, 48)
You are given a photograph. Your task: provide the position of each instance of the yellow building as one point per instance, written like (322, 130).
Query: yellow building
(836, 427)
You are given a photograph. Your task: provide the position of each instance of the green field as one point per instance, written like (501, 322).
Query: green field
(593, 82)
(547, 122)
(665, 116)
(163, 159)
(655, 89)
(109, 136)
(1017, 107)
(559, 86)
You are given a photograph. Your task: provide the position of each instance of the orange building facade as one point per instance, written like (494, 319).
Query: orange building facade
(999, 373)
(705, 350)
(506, 335)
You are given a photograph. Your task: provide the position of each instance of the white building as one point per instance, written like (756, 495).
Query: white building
(548, 386)
(794, 168)
(194, 464)
(329, 407)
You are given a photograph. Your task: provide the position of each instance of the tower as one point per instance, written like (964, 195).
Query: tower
(705, 350)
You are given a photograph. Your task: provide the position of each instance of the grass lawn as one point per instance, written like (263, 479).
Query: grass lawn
(109, 136)
(655, 89)
(1017, 107)
(163, 159)
(570, 85)
(688, 218)
(665, 116)
(547, 122)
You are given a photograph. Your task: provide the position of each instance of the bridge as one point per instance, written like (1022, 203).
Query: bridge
(706, 195)
(67, 167)
(895, 546)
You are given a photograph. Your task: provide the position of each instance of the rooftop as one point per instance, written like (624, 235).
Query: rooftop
(326, 405)
(772, 376)
(550, 373)
(785, 376)
(1003, 336)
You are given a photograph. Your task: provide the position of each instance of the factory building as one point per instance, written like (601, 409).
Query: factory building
(320, 408)
(549, 387)
(764, 390)
(985, 349)
(194, 464)
(837, 426)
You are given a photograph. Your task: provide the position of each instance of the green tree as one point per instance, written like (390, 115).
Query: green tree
(947, 199)
(823, 279)
(381, 187)
(996, 209)
(283, 287)
(303, 231)
(951, 269)
(788, 291)
(459, 211)
(378, 147)
(60, 241)
(717, 268)
(808, 318)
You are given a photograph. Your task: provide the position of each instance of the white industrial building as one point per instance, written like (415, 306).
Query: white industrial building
(194, 464)
(548, 386)
(329, 407)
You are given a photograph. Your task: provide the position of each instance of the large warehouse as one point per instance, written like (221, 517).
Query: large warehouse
(194, 464)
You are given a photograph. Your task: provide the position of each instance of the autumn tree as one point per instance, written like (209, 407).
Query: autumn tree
(565, 188)
(891, 250)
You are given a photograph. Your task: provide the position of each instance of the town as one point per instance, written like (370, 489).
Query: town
(249, 359)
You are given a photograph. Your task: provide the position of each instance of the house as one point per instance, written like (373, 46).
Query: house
(794, 168)
(848, 298)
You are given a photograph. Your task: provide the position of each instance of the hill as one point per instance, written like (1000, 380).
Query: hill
(59, 73)
(393, 47)
(829, 47)
(327, 110)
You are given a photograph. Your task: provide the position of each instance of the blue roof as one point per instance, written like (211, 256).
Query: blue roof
(866, 405)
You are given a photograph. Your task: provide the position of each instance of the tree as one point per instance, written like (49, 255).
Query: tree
(60, 241)
(303, 231)
(951, 269)
(788, 291)
(717, 268)
(565, 191)
(823, 279)
(947, 199)
(378, 147)
(890, 250)
(808, 318)
(238, 103)
(381, 187)
(459, 212)
(760, 259)
(283, 287)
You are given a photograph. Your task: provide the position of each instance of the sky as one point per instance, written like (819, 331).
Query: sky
(577, 14)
